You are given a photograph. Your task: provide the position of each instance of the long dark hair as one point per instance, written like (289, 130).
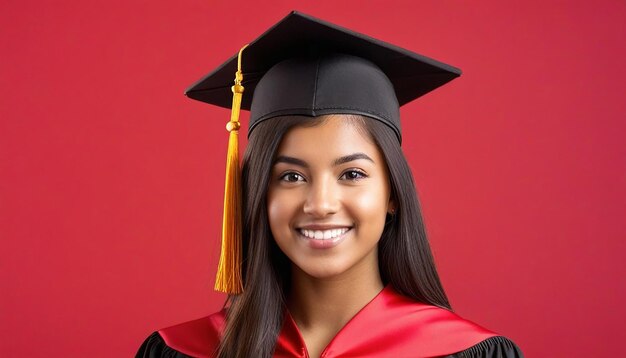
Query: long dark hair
(254, 318)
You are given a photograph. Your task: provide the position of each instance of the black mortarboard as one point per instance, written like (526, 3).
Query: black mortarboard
(306, 66)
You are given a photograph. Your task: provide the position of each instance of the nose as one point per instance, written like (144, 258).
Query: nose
(322, 199)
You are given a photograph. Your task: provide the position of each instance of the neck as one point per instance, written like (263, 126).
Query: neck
(331, 302)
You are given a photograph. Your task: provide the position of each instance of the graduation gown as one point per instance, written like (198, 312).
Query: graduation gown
(391, 325)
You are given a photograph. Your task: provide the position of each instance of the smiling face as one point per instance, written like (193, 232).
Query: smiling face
(328, 198)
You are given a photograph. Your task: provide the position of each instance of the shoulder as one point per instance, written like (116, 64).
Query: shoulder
(197, 338)
(445, 331)
(430, 321)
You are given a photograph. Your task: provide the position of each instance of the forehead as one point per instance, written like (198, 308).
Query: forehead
(334, 136)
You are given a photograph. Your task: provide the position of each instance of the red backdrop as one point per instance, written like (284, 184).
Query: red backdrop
(111, 180)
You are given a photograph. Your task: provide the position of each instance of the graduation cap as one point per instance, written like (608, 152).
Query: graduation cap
(308, 67)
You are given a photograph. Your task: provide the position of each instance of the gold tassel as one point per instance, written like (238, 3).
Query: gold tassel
(229, 275)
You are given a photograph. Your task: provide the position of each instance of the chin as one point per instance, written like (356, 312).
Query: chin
(323, 270)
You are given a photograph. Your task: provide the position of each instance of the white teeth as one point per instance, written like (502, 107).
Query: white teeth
(323, 234)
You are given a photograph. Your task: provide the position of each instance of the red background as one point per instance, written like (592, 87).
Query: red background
(111, 180)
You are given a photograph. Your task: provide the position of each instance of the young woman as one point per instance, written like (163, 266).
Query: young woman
(336, 262)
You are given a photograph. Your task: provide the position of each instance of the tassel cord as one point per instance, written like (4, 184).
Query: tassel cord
(229, 275)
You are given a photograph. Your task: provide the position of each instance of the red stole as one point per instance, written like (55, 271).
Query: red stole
(390, 325)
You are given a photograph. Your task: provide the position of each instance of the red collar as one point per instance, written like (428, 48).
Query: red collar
(389, 325)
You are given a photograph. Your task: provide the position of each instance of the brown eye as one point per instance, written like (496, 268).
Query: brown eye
(353, 175)
(291, 177)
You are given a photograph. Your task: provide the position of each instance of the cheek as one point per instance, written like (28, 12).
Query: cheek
(280, 208)
(371, 207)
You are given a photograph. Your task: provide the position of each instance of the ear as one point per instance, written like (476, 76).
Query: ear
(391, 207)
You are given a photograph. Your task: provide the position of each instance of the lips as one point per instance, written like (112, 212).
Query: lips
(324, 238)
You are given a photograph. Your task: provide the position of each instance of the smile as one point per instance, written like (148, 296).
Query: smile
(323, 234)
(324, 239)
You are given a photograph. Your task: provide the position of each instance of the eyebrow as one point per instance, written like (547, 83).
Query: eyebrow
(336, 162)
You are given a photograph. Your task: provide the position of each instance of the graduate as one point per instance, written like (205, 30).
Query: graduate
(324, 251)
